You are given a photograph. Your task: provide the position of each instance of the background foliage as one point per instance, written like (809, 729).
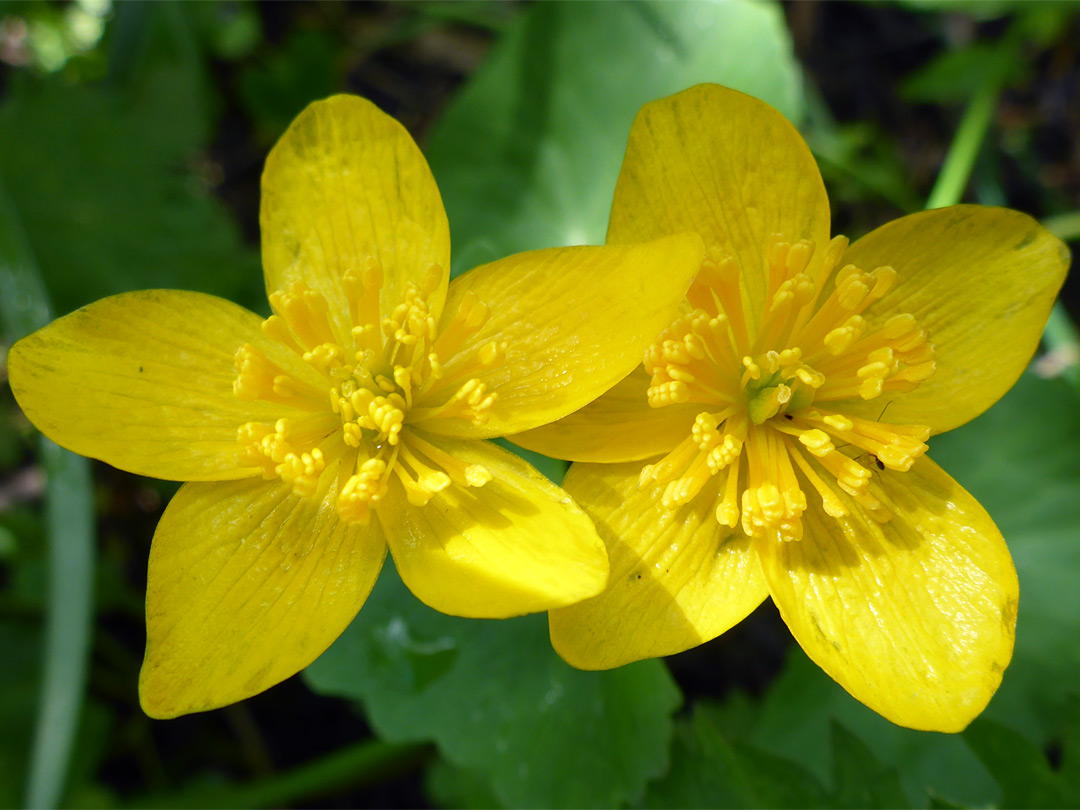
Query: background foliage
(131, 140)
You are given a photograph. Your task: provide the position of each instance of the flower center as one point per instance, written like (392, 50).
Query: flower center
(374, 385)
(773, 396)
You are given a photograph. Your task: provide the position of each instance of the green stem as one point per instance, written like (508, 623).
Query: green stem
(960, 159)
(358, 765)
(69, 523)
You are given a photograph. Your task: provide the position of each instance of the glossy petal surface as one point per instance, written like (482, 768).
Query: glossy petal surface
(516, 545)
(725, 165)
(678, 578)
(571, 322)
(618, 426)
(247, 585)
(346, 182)
(981, 281)
(144, 381)
(914, 617)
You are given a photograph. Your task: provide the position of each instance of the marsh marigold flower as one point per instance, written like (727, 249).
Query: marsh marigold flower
(351, 419)
(773, 441)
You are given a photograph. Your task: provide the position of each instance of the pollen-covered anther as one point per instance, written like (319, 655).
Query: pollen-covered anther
(840, 339)
(286, 451)
(724, 453)
(386, 418)
(364, 489)
(766, 509)
(668, 393)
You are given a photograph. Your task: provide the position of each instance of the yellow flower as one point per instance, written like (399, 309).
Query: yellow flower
(351, 419)
(791, 402)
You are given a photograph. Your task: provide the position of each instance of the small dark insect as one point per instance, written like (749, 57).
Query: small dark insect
(866, 459)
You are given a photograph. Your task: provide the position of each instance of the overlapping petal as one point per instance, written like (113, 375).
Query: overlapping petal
(516, 545)
(144, 381)
(725, 165)
(248, 584)
(618, 426)
(346, 183)
(678, 578)
(981, 281)
(914, 617)
(569, 323)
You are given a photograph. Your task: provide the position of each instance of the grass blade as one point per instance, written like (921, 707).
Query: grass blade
(69, 522)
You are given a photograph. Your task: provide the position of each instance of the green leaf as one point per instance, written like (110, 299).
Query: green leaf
(275, 89)
(860, 779)
(497, 701)
(527, 155)
(449, 786)
(1019, 767)
(70, 528)
(798, 712)
(956, 75)
(102, 177)
(708, 771)
(18, 700)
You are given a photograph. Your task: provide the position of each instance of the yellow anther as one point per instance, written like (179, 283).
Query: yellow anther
(326, 356)
(852, 292)
(363, 490)
(724, 453)
(306, 313)
(838, 421)
(667, 394)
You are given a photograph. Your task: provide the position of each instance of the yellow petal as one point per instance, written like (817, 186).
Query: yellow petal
(677, 578)
(247, 585)
(516, 545)
(981, 282)
(723, 164)
(619, 426)
(144, 381)
(914, 617)
(347, 183)
(567, 324)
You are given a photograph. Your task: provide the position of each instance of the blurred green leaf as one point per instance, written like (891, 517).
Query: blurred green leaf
(274, 89)
(1020, 767)
(708, 771)
(527, 155)
(18, 706)
(497, 701)
(798, 712)
(447, 785)
(955, 75)
(70, 529)
(860, 779)
(108, 178)
(233, 29)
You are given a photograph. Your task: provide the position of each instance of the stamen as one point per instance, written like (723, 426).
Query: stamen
(811, 348)
(305, 312)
